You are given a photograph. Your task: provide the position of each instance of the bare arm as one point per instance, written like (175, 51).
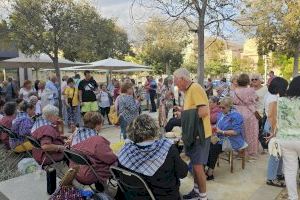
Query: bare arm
(53, 147)
(80, 95)
(272, 116)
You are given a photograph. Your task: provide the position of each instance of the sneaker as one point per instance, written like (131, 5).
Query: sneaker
(192, 195)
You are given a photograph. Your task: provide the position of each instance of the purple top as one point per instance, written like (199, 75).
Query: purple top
(21, 126)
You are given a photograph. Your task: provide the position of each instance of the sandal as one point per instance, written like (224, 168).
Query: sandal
(275, 183)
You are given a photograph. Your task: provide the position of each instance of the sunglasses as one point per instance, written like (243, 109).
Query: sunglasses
(254, 79)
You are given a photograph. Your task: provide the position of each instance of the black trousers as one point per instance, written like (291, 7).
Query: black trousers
(172, 123)
(105, 112)
(214, 151)
(152, 94)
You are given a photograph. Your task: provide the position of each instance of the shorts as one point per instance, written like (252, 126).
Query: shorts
(147, 96)
(89, 107)
(199, 152)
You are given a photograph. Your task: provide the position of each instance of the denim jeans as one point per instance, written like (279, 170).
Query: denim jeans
(274, 168)
(123, 126)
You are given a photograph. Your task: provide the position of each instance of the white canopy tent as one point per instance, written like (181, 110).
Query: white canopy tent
(111, 64)
(36, 61)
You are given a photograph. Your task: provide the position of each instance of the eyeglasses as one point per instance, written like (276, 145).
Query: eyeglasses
(254, 79)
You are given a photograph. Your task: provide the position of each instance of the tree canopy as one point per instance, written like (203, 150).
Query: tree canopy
(162, 45)
(278, 28)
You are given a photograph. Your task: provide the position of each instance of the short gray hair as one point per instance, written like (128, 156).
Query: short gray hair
(49, 110)
(182, 73)
(142, 128)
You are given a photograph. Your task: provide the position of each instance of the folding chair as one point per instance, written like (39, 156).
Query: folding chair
(81, 159)
(13, 135)
(131, 184)
(35, 143)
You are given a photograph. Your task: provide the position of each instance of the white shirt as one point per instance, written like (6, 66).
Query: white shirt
(25, 93)
(261, 93)
(104, 99)
(269, 98)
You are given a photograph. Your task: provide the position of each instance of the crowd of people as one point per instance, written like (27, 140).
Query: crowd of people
(240, 115)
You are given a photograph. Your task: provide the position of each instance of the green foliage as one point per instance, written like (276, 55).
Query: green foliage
(260, 65)
(245, 65)
(162, 46)
(285, 64)
(278, 28)
(5, 42)
(77, 29)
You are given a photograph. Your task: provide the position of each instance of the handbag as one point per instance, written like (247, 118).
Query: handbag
(113, 115)
(226, 145)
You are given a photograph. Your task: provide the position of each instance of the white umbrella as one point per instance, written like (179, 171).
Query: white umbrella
(36, 61)
(102, 71)
(110, 64)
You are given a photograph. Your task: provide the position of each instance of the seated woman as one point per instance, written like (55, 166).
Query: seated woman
(156, 160)
(45, 131)
(22, 126)
(214, 109)
(87, 141)
(10, 109)
(230, 125)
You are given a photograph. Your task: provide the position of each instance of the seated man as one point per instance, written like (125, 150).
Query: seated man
(10, 109)
(87, 141)
(229, 125)
(156, 160)
(22, 126)
(45, 131)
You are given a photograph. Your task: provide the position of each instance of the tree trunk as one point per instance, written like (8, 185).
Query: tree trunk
(200, 70)
(57, 72)
(296, 62)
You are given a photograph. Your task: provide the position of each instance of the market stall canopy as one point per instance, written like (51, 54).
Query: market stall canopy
(37, 61)
(111, 64)
(102, 71)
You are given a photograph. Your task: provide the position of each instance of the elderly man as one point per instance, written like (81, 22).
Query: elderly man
(196, 129)
(52, 90)
(45, 130)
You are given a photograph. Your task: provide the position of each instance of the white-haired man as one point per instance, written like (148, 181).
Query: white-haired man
(195, 99)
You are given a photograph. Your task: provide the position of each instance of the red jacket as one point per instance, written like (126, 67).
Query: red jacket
(97, 149)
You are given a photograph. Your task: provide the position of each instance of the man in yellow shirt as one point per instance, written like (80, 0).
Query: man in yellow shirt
(196, 98)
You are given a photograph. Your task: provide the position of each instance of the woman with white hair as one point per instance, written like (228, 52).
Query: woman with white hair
(156, 160)
(45, 131)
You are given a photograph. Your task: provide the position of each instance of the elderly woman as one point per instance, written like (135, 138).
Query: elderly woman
(245, 101)
(156, 160)
(10, 109)
(22, 126)
(214, 109)
(229, 125)
(127, 106)
(45, 130)
(96, 148)
(26, 90)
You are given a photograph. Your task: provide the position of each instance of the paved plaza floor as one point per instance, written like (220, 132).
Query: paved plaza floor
(247, 184)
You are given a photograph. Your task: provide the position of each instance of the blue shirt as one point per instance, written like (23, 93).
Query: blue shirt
(232, 121)
(52, 87)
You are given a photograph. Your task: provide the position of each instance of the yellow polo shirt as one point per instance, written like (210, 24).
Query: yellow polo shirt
(196, 96)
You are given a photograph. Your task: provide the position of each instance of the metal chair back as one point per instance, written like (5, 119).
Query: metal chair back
(131, 184)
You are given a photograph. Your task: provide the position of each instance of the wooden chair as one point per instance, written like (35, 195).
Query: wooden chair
(242, 154)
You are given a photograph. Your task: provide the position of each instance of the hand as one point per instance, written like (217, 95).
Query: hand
(178, 108)
(177, 114)
(219, 131)
(268, 138)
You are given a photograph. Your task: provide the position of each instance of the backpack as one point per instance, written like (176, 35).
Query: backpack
(113, 115)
